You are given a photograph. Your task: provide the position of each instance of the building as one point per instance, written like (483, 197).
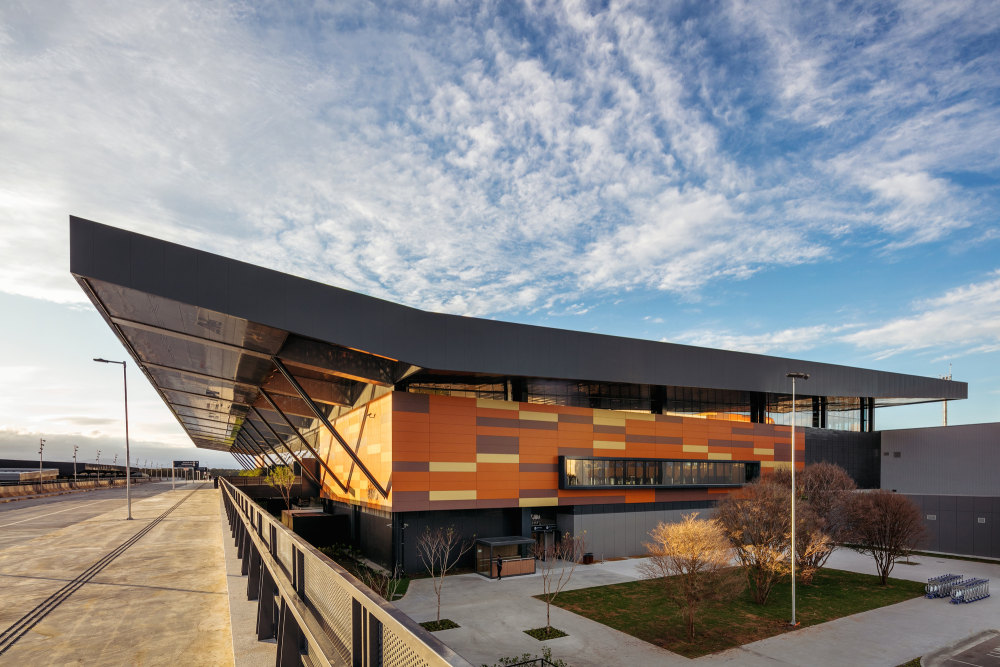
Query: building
(419, 419)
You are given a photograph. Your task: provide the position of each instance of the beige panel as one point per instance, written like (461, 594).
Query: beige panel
(496, 405)
(759, 451)
(452, 466)
(376, 448)
(640, 416)
(777, 465)
(453, 495)
(498, 458)
(609, 418)
(694, 448)
(537, 502)
(538, 416)
(719, 456)
(608, 444)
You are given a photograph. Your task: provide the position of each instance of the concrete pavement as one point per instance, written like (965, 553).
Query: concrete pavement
(106, 591)
(493, 616)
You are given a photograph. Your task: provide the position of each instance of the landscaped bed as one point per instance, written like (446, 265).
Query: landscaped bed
(640, 609)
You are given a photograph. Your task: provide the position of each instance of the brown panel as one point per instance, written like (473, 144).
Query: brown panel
(602, 428)
(675, 495)
(783, 450)
(404, 401)
(452, 504)
(538, 425)
(537, 493)
(576, 419)
(538, 467)
(495, 503)
(495, 421)
(496, 444)
(410, 466)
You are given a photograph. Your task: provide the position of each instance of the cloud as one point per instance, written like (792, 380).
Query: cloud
(772, 342)
(963, 320)
(507, 159)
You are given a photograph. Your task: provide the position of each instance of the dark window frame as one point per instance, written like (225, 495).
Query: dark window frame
(691, 476)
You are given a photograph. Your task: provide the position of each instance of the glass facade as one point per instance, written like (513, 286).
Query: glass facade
(600, 473)
(843, 413)
(595, 395)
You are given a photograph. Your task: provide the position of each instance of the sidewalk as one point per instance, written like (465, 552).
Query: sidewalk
(494, 615)
(107, 591)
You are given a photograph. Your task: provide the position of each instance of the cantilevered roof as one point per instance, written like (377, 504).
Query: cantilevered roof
(247, 358)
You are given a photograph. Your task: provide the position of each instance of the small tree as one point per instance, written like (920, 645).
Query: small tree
(440, 550)
(282, 478)
(556, 565)
(757, 522)
(693, 559)
(885, 525)
(812, 545)
(823, 490)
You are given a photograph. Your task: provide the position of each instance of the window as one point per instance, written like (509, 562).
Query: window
(598, 473)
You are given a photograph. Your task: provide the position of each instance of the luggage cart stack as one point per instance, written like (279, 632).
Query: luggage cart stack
(970, 590)
(940, 587)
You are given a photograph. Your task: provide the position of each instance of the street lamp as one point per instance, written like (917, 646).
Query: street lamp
(75, 447)
(41, 446)
(98, 467)
(794, 376)
(128, 469)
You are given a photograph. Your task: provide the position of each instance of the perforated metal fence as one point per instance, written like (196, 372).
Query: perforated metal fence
(318, 612)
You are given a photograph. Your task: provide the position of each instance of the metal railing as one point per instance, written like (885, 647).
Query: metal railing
(318, 612)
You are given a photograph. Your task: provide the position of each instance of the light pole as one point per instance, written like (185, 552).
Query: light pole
(98, 467)
(794, 376)
(128, 469)
(75, 447)
(41, 446)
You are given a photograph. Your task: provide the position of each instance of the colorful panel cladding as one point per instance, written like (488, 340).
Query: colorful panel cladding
(368, 432)
(451, 452)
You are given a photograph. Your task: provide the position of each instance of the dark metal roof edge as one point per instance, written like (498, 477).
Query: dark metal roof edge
(451, 342)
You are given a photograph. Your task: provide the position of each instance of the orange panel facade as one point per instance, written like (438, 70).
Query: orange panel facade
(444, 452)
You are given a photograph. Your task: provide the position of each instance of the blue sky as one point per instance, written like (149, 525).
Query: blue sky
(818, 181)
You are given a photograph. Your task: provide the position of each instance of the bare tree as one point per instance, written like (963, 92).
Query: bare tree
(885, 525)
(823, 491)
(693, 559)
(282, 478)
(440, 550)
(757, 522)
(812, 544)
(556, 565)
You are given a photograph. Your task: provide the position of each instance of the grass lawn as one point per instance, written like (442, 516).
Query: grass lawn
(639, 608)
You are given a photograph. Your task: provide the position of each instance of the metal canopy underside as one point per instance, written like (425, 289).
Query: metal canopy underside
(249, 360)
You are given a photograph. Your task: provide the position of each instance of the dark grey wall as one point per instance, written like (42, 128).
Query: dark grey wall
(966, 525)
(469, 524)
(943, 460)
(857, 453)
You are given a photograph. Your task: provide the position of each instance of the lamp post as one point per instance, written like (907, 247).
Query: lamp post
(794, 376)
(98, 467)
(75, 447)
(41, 446)
(128, 470)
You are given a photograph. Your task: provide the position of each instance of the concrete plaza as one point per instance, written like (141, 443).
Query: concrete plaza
(494, 614)
(83, 586)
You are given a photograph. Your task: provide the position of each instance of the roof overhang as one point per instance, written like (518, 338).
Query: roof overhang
(248, 358)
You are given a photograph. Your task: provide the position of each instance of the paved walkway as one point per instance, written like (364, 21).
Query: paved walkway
(106, 591)
(494, 615)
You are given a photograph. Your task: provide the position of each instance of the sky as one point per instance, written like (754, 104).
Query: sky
(815, 180)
